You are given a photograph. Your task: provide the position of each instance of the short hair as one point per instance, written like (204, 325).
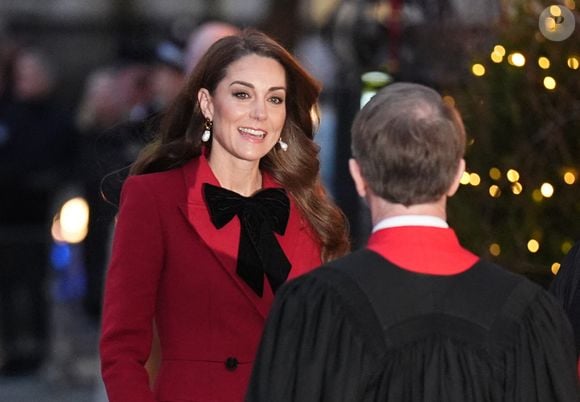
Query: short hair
(408, 142)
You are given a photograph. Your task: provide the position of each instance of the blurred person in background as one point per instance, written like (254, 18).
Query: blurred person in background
(35, 160)
(100, 109)
(203, 37)
(219, 211)
(168, 75)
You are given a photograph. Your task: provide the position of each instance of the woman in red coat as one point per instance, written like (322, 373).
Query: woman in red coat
(222, 208)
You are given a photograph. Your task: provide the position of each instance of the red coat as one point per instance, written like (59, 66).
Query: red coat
(170, 265)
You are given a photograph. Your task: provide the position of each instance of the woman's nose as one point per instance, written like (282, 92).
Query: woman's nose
(258, 111)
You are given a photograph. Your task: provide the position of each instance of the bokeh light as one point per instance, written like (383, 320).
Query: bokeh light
(547, 190)
(549, 83)
(533, 246)
(494, 249)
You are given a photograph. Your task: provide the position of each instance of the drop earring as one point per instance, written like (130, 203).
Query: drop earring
(283, 145)
(207, 130)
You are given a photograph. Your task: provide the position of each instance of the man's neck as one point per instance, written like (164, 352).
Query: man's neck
(382, 209)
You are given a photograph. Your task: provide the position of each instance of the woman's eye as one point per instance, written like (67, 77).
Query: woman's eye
(276, 100)
(241, 95)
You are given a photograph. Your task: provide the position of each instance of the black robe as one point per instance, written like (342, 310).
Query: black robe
(362, 329)
(566, 288)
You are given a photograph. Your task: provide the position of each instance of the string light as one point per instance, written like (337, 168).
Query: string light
(555, 268)
(494, 249)
(496, 57)
(566, 246)
(544, 62)
(499, 49)
(517, 188)
(449, 100)
(478, 70)
(517, 59)
(547, 190)
(464, 178)
(513, 175)
(474, 179)
(569, 177)
(573, 62)
(533, 246)
(495, 173)
(549, 83)
(494, 191)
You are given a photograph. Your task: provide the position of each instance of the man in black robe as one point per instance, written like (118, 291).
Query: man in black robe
(413, 316)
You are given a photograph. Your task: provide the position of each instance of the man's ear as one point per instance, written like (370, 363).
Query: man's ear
(457, 180)
(359, 181)
(205, 103)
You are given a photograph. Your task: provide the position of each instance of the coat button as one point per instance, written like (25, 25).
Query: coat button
(231, 363)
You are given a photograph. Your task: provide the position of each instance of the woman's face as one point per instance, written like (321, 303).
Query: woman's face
(247, 108)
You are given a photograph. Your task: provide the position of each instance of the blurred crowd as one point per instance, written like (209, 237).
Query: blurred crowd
(47, 148)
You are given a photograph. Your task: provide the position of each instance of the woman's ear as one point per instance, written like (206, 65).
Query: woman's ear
(359, 181)
(457, 180)
(205, 103)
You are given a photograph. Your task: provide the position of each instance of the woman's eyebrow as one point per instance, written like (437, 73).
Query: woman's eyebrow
(247, 84)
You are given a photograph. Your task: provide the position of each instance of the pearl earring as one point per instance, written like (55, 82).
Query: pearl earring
(207, 130)
(283, 145)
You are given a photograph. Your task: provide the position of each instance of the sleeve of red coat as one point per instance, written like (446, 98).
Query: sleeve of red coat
(130, 294)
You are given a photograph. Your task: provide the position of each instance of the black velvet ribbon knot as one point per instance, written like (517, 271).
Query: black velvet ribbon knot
(260, 216)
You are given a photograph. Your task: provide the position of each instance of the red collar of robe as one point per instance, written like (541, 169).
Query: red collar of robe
(422, 249)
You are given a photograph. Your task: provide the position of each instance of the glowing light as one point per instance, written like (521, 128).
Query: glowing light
(571, 4)
(566, 246)
(569, 177)
(549, 83)
(544, 62)
(555, 268)
(496, 57)
(74, 219)
(464, 178)
(573, 62)
(533, 246)
(517, 59)
(474, 179)
(555, 11)
(547, 190)
(376, 79)
(495, 173)
(449, 100)
(494, 249)
(517, 188)
(550, 24)
(537, 195)
(372, 82)
(499, 49)
(513, 175)
(494, 191)
(478, 70)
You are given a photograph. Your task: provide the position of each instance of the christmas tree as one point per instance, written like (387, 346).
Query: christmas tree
(520, 202)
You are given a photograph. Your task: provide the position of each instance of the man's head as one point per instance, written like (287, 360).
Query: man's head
(408, 144)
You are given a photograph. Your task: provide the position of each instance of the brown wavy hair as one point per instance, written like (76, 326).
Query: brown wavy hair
(297, 169)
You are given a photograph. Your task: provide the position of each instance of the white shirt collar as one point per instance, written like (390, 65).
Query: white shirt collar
(410, 220)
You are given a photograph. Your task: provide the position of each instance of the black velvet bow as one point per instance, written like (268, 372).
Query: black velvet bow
(260, 216)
